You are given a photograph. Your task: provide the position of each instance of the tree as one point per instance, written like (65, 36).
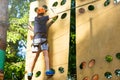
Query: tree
(3, 32)
(72, 47)
(18, 19)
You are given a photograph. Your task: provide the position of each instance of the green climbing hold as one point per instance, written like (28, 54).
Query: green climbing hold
(91, 7)
(55, 4)
(63, 15)
(108, 58)
(117, 72)
(2, 59)
(38, 74)
(108, 75)
(63, 2)
(107, 2)
(45, 6)
(55, 18)
(61, 69)
(118, 55)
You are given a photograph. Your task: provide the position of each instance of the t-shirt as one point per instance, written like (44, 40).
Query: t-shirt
(40, 26)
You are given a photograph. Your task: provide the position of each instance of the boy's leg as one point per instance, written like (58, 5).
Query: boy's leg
(45, 52)
(49, 72)
(44, 48)
(33, 61)
(32, 64)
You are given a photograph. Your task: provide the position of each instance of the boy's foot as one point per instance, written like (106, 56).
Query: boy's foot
(50, 72)
(30, 76)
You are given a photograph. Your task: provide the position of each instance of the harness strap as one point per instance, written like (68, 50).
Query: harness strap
(43, 34)
(40, 42)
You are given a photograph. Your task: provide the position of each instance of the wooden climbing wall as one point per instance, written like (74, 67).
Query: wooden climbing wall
(97, 35)
(58, 39)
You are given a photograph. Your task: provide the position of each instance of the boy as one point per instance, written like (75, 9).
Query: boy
(40, 39)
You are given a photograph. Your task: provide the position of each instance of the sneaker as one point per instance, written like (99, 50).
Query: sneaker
(50, 72)
(30, 76)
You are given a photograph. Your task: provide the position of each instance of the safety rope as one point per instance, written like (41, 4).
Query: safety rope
(75, 7)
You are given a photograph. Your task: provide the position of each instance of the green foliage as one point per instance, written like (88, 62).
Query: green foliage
(18, 18)
(17, 68)
(72, 53)
(16, 32)
(17, 8)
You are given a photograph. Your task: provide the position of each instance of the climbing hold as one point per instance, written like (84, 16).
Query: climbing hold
(38, 74)
(108, 75)
(95, 77)
(82, 65)
(55, 18)
(63, 15)
(61, 69)
(107, 2)
(108, 58)
(63, 2)
(45, 7)
(118, 55)
(55, 4)
(91, 7)
(117, 72)
(86, 78)
(81, 10)
(91, 63)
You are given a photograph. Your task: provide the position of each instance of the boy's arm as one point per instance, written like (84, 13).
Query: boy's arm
(53, 17)
(30, 26)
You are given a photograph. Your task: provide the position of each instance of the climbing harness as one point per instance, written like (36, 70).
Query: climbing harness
(38, 42)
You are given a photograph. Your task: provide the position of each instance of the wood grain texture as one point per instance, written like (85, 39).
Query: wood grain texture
(97, 35)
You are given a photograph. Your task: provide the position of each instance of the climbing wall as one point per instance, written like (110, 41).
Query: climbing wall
(39, 66)
(97, 39)
(58, 39)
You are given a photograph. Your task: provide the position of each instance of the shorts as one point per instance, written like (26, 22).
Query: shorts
(43, 46)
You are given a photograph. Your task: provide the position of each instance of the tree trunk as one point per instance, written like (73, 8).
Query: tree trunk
(3, 33)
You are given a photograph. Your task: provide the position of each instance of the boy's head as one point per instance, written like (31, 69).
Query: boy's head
(40, 10)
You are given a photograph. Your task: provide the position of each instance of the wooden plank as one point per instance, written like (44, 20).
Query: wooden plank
(58, 38)
(99, 9)
(97, 35)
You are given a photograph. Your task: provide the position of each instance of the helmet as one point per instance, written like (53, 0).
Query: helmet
(40, 10)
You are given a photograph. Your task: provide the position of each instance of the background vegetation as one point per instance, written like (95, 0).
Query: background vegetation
(18, 18)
